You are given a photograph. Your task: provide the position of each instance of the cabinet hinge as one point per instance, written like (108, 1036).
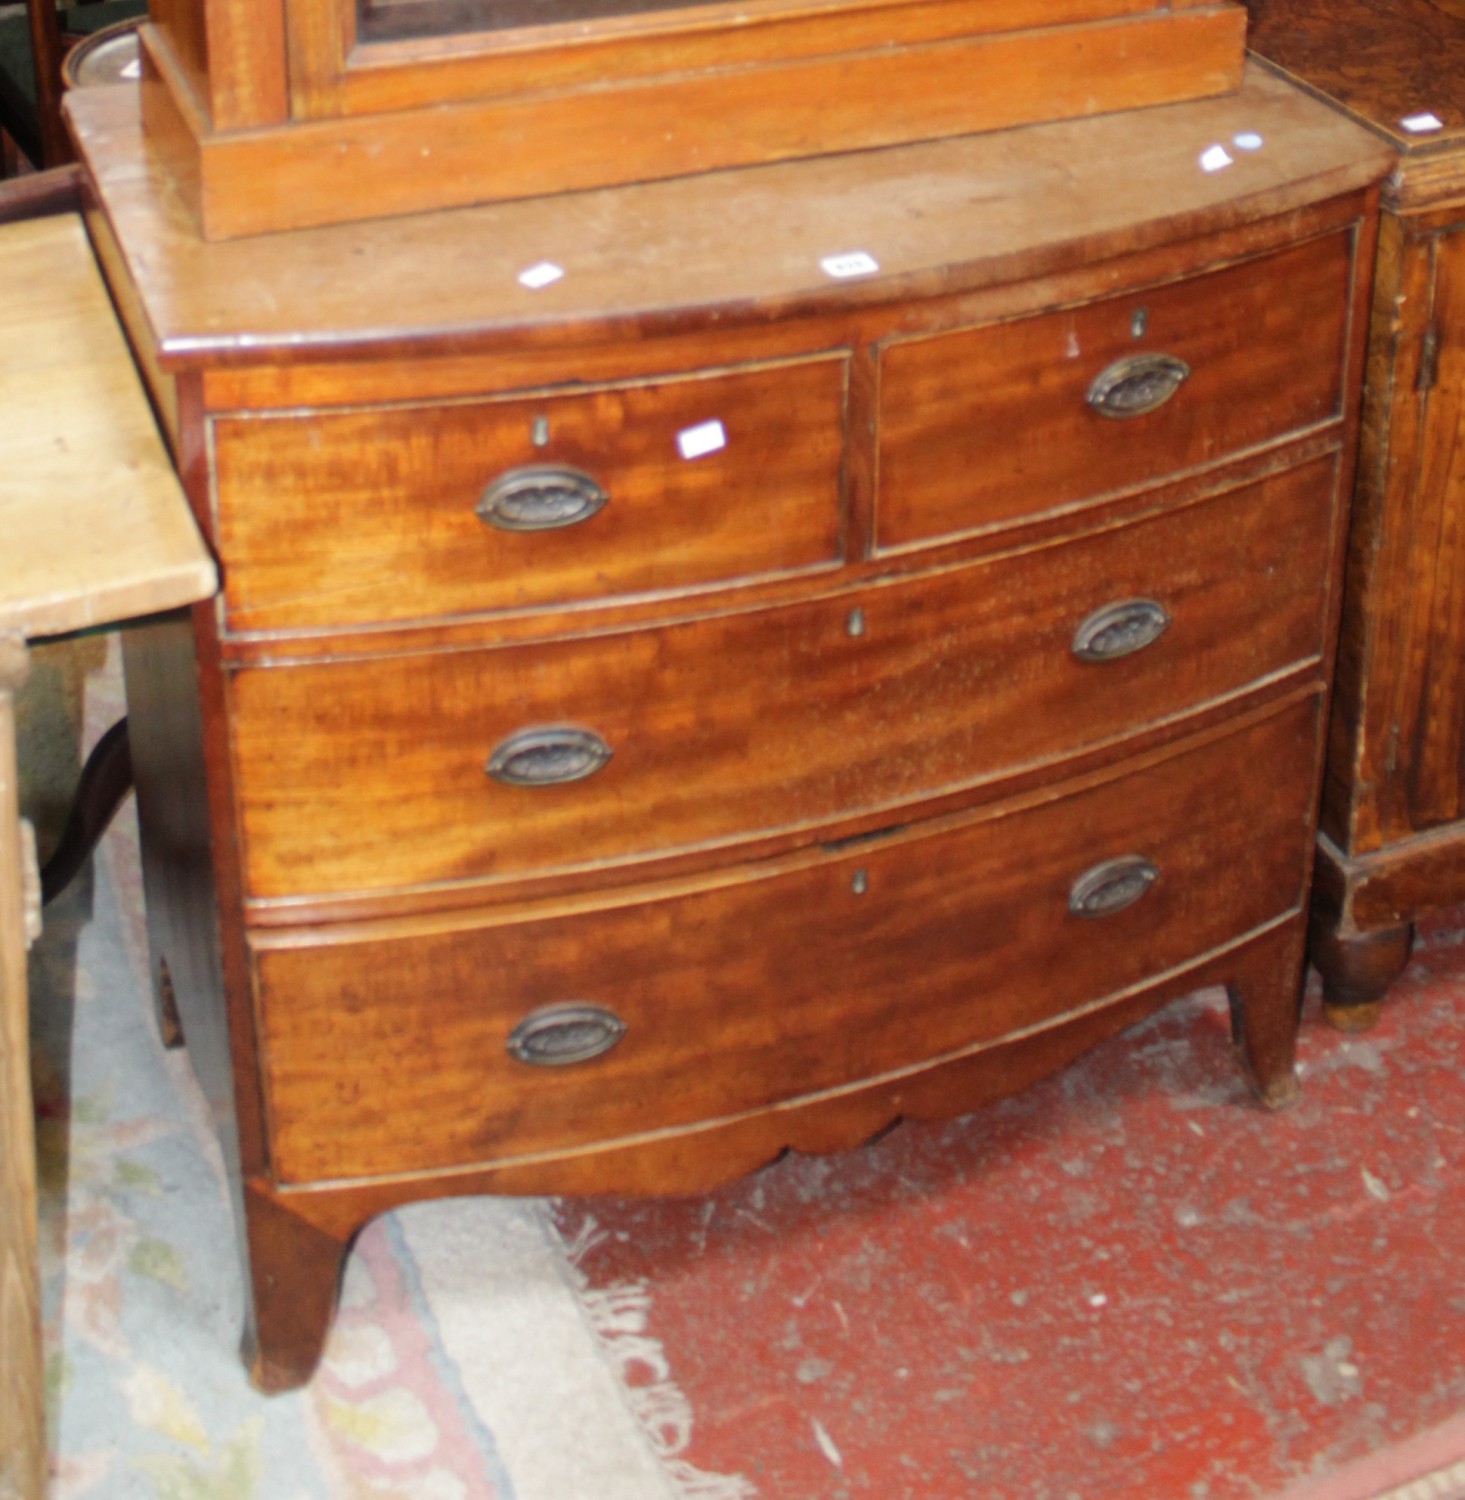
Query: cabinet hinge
(1429, 359)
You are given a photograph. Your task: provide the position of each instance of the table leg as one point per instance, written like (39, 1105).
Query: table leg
(22, 1412)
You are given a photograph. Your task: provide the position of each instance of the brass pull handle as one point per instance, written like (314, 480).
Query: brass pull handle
(556, 1035)
(1119, 629)
(1136, 384)
(540, 497)
(547, 755)
(1111, 886)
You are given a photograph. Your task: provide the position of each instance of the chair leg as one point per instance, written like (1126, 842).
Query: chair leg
(105, 780)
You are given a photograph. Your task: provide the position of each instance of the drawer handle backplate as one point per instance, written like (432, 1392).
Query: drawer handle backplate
(1137, 384)
(1111, 886)
(547, 755)
(1120, 629)
(540, 497)
(556, 1035)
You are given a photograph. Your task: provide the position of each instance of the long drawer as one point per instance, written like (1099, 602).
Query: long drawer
(403, 512)
(407, 770)
(981, 426)
(473, 1039)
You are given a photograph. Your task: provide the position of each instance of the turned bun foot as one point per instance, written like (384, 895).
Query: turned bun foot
(1349, 1016)
(1357, 970)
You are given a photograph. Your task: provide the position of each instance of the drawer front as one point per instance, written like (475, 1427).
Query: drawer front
(405, 513)
(461, 1044)
(373, 773)
(986, 425)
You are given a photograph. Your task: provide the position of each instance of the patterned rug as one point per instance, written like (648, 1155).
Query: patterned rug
(468, 1359)
(1126, 1284)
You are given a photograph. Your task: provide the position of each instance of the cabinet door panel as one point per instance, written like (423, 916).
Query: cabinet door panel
(1437, 794)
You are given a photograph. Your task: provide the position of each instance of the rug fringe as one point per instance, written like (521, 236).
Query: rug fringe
(619, 1315)
(587, 1237)
(693, 1484)
(1447, 1484)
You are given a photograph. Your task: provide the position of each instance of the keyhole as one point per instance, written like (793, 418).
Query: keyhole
(539, 434)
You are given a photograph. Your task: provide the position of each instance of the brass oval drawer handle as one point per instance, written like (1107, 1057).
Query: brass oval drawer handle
(1136, 384)
(547, 755)
(540, 497)
(556, 1035)
(1111, 886)
(1119, 629)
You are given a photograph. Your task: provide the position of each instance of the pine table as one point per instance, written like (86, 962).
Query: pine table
(96, 531)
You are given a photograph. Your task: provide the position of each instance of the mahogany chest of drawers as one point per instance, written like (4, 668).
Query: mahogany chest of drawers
(1392, 841)
(853, 638)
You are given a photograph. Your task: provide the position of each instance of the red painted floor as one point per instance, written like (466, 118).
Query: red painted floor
(1128, 1282)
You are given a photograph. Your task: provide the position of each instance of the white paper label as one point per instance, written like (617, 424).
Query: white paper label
(1213, 158)
(704, 438)
(1420, 123)
(851, 263)
(1248, 140)
(541, 275)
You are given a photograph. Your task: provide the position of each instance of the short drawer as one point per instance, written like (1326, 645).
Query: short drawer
(408, 770)
(400, 513)
(989, 424)
(474, 1040)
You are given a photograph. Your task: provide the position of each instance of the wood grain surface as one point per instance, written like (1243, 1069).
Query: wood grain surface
(96, 530)
(365, 516)
(1383, 60)
(863, 785)
(724, 250)
(925, 944)
(367, 774)
(98, 526)
(455, 63)
(980, 425)
(1394, 803)
(22, 1417)
(852, 82)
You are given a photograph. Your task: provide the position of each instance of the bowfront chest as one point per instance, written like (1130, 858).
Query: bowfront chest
(713, 667)
(1392, 844)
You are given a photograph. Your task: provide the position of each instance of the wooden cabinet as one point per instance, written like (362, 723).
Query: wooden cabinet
(1392, 842)
(709, 705)
(280, 113)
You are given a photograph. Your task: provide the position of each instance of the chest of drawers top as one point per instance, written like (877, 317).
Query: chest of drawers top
(729, 252)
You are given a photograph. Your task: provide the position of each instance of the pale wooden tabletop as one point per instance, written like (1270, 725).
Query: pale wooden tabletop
(94, 527)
